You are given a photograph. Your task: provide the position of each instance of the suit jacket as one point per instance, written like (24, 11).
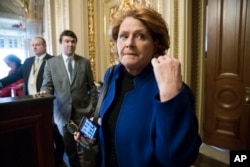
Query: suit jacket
(24, 72)
(81, 94)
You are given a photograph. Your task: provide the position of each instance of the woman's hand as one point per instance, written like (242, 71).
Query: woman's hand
(77, 136)
(167, 72)
(85, 141)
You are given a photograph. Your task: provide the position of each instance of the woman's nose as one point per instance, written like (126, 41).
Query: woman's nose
(130, 42)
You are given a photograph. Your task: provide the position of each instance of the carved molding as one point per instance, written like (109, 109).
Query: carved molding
(34, 10)
(47, 21)
(91, 36)
(198, 56)
(175, 30)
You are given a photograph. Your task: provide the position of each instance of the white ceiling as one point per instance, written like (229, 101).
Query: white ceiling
(12, 9)
(14, 12)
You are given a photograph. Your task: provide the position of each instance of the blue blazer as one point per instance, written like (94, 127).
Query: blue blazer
(149, 132)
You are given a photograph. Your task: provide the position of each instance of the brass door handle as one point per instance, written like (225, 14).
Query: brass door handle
(247, 97)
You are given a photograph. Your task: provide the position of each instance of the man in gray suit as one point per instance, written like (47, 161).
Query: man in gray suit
(69, 77)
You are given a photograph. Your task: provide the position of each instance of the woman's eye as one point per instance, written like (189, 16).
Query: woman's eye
(122, 36)
(140, 36)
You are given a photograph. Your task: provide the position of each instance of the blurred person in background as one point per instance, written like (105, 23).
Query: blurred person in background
(16, 88)
(32, 69)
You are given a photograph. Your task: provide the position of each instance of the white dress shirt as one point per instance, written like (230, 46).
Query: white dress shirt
(33, 75)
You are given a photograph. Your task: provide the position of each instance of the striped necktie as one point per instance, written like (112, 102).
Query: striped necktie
(70, 68)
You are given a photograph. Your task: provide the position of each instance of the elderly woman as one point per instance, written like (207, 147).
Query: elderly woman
(147, 116)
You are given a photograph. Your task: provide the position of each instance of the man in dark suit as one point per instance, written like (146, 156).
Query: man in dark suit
(32, 73)
(69, 77)
(33, 76)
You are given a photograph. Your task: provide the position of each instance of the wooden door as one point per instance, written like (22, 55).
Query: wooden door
(227, 76)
